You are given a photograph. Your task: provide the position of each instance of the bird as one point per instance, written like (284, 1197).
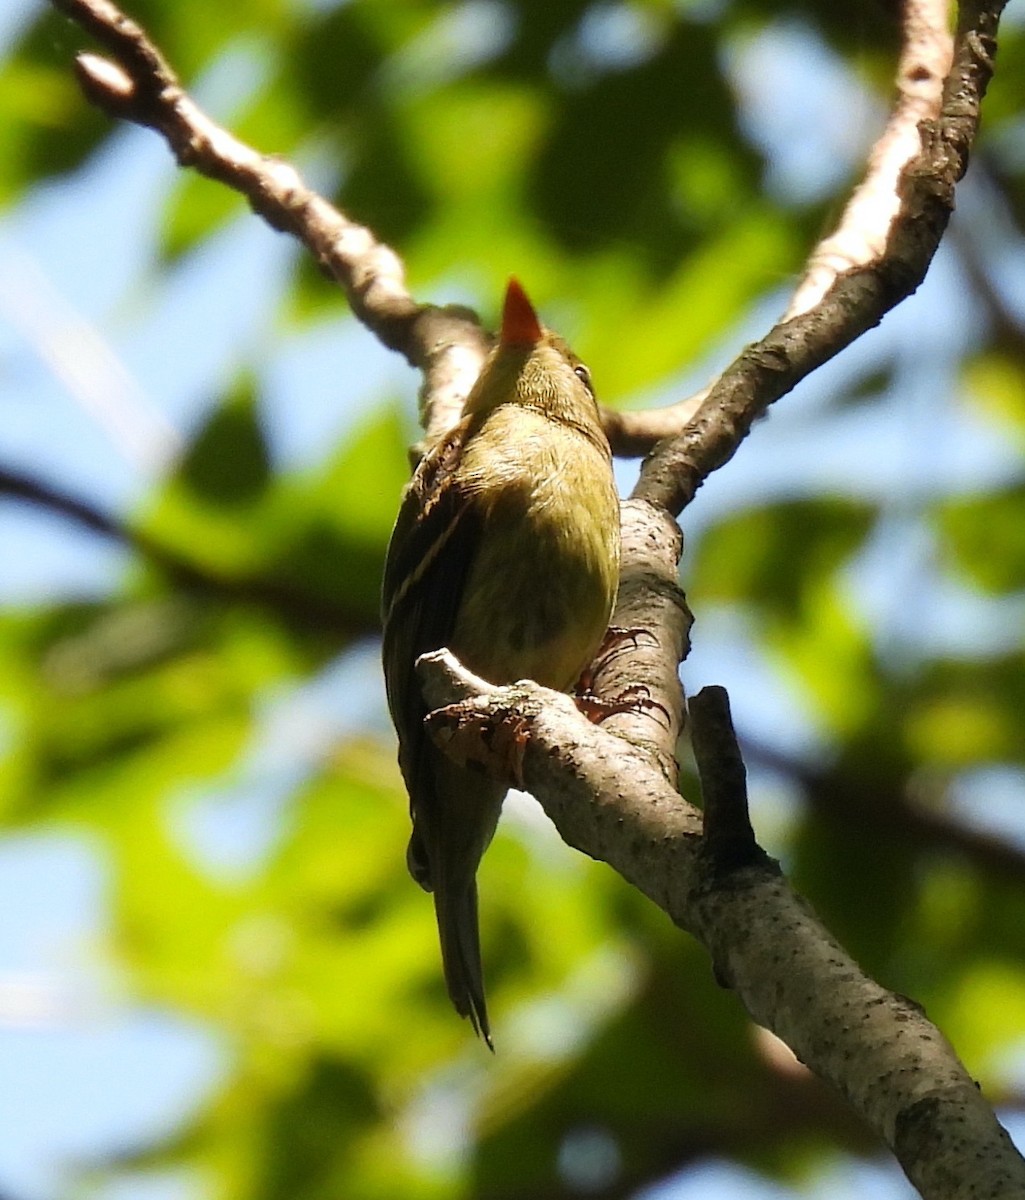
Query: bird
(506, 551)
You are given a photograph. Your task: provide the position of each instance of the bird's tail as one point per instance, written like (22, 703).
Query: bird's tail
(454, 817)
(460, 954)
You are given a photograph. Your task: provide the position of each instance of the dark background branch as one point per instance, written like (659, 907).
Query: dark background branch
(295, 605)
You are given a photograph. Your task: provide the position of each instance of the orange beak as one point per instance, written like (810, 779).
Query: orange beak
(520, 326)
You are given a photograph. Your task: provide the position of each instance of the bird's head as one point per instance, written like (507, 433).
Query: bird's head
(532, 366)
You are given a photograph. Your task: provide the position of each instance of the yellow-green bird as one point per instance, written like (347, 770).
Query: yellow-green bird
(506, 551)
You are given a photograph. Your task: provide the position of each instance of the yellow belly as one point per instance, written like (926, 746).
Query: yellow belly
(541, 590)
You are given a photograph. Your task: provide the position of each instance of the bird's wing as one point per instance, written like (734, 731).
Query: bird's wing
(435, 542)
(432, 548)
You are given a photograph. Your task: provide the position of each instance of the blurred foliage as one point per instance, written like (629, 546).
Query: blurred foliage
(602, 151)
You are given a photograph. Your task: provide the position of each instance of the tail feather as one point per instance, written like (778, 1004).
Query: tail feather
(454, 817)
(460, 956)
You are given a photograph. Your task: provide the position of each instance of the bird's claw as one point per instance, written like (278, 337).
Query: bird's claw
(636, 698)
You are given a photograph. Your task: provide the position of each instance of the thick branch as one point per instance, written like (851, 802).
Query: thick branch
(857, 300)
(877, 1048)
(654, 623)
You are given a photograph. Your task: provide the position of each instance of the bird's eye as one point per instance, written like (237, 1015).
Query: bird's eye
(584, 375)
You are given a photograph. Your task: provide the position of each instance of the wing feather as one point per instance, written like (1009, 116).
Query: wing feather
(436, 538)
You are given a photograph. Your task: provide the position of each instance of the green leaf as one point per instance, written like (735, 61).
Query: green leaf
(773, 557)
(197, 207)
(995, 382)
(984, 538)
(228, 464)
(209, 512)
(969, 712)
(49, 128)
(339, 547)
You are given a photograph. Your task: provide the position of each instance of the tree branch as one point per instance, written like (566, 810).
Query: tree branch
(892, 814)
(344, 621)
(858, 297)
(877, 1048)
(447, 343)
(633, 432)
(860, 237)
(728, 835)
(652, 612)
(901, 207)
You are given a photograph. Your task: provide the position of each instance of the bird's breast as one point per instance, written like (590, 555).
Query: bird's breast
(544, 580)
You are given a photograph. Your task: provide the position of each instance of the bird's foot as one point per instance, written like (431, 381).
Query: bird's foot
(636, 698)
(495, 743)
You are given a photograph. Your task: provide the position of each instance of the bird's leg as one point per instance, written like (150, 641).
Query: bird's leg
(636, 698)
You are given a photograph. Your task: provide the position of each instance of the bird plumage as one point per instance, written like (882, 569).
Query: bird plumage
(505, 550)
